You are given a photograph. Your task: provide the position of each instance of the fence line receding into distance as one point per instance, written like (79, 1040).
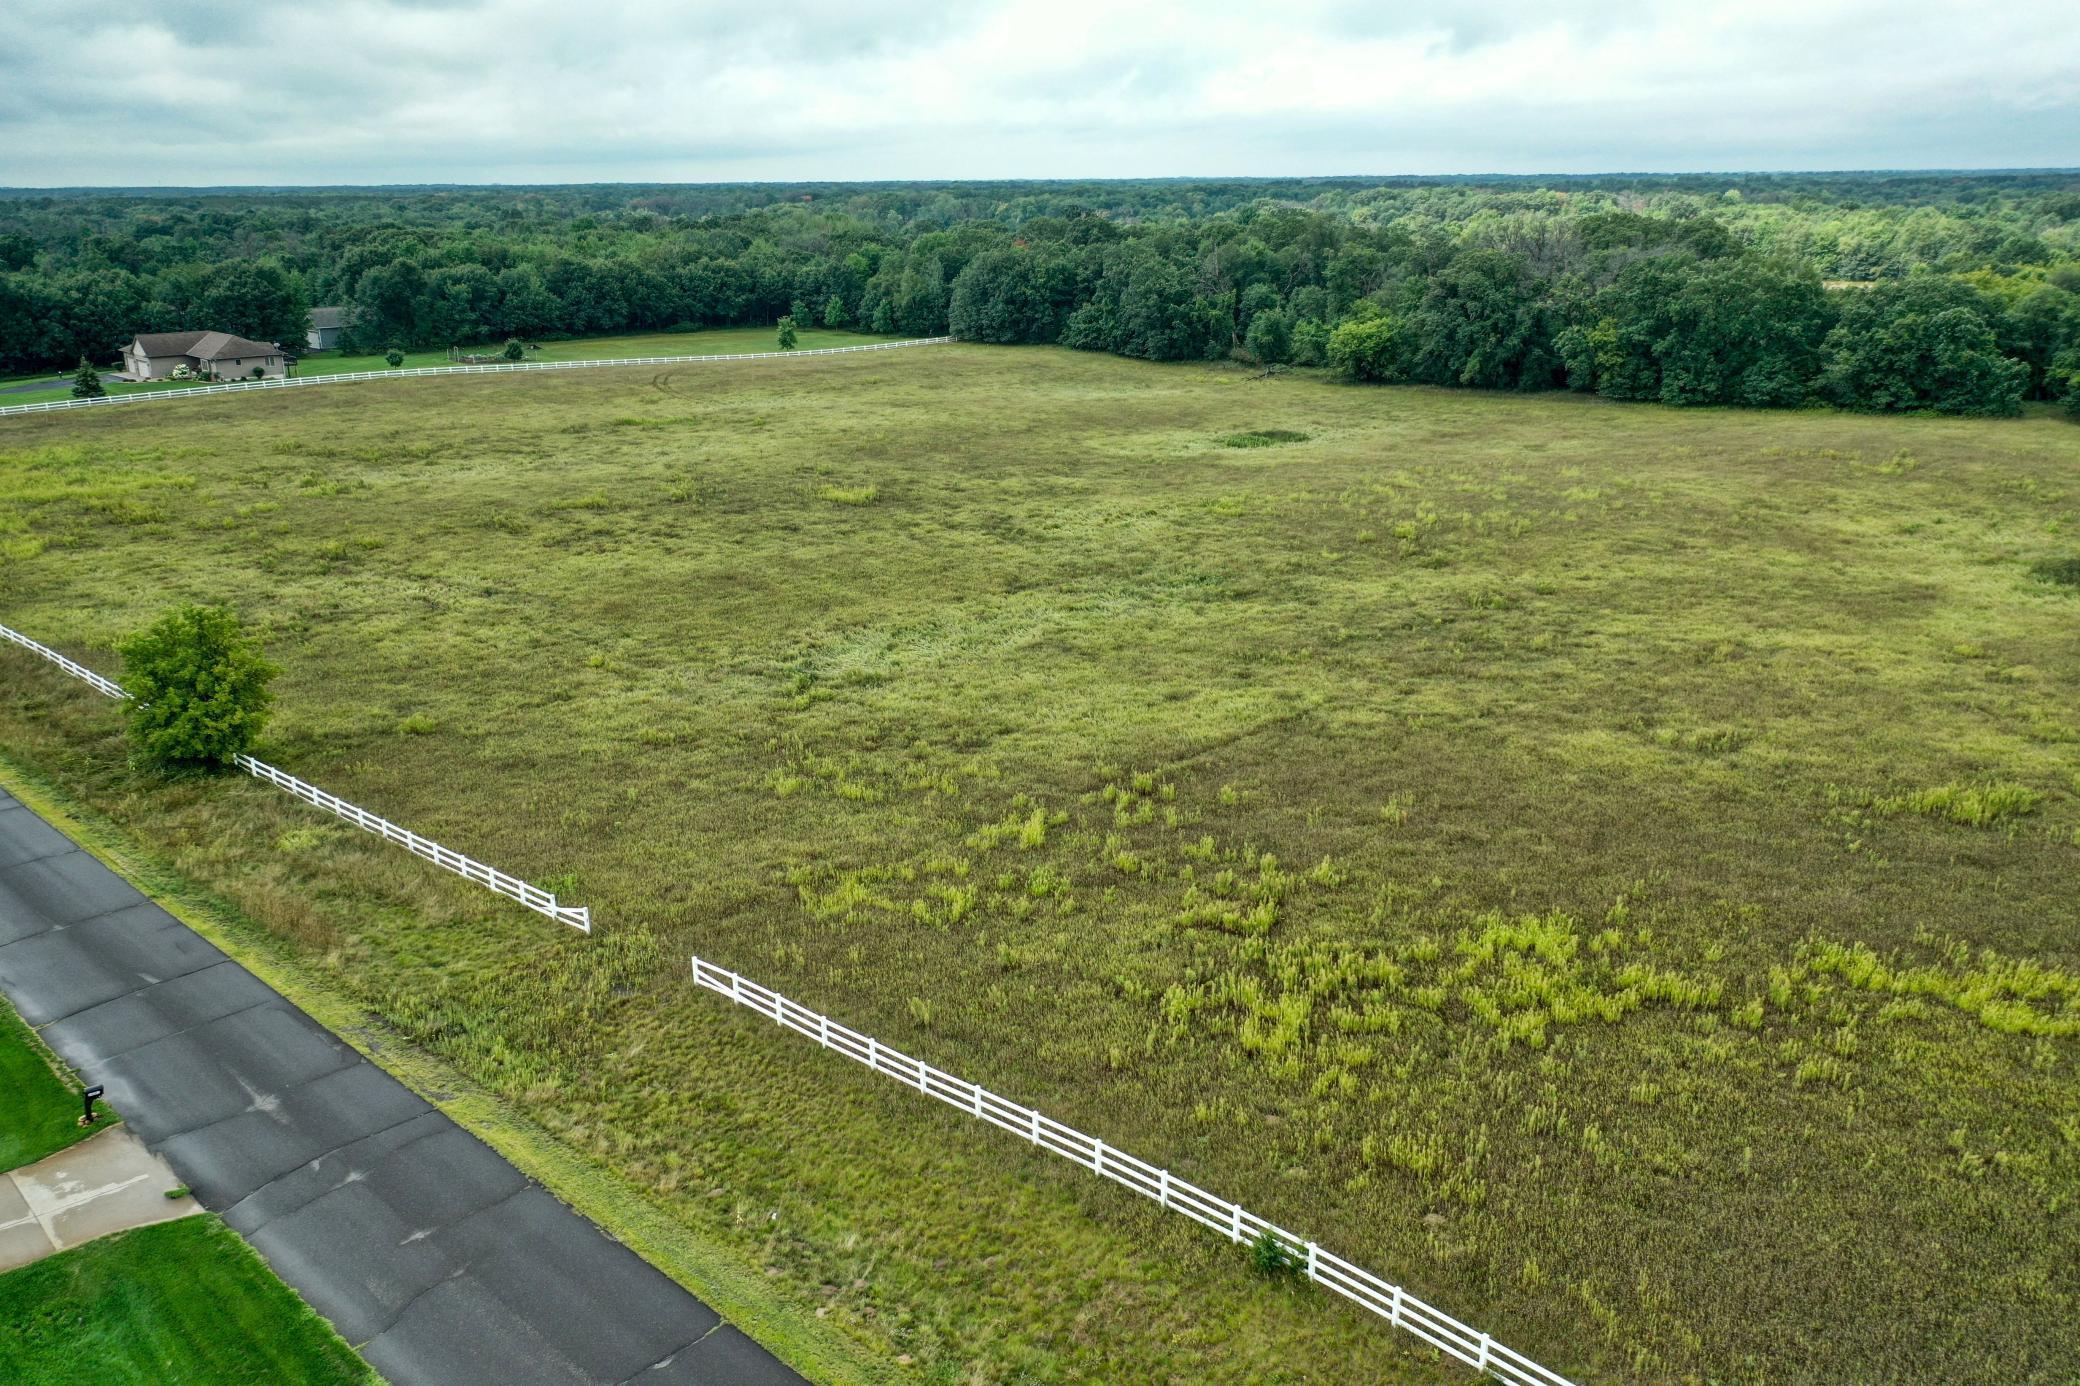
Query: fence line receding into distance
(490, 877)
(294, 381)
(1392, 1303)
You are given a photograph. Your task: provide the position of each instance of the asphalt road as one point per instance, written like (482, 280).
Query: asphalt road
(438, 1260)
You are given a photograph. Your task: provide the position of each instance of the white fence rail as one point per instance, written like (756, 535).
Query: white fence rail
(1392, 1303)
(293, 382)
(81, 672)
(490, 877)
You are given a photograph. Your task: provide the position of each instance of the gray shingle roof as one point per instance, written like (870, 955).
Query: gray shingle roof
(203, 346)
(219, 346)
(330, 317)
(168, 343)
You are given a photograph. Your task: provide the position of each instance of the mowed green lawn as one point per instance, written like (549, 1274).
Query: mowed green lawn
(1609, 868)
(711, 342)
(183, 1303)
(42, 1111)
(715, 342)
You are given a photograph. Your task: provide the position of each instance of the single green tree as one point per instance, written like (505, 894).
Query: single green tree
(198, 688)
(787, 333)
(513, 350)
(86, 382)
(1365, 348)
(834, 311)
(1310, 343)
(1270, 337)
(394, 357)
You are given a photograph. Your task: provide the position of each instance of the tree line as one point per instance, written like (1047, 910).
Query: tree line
(1950, 293)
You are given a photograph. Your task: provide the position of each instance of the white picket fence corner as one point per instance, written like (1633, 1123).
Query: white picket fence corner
(1392, 1303)
(490, 877)
(291, 382)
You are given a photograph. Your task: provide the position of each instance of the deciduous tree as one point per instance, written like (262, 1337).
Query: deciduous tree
(198, 688)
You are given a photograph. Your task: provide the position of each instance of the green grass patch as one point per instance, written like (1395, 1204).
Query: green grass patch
(710, 342)
(2064, 571)
(179, 1302)
(1263, 438)
(40, 1115)
(850, 495)
(1974, 805)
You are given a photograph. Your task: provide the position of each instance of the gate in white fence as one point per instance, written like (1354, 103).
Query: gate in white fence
(490, 877)
(1392, 1303)
(296, 381)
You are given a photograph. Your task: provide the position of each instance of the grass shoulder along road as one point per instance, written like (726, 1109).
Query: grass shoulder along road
(744, 1296)
(182, 1303)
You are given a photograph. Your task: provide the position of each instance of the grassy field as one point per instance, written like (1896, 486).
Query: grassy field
(42, 1109)
(1608, 867)
(719, 341)
(183, 1303)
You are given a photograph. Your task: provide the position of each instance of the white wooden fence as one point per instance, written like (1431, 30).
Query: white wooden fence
(1392, 1303)
(292, 382)
(79, 671)
(490, 877)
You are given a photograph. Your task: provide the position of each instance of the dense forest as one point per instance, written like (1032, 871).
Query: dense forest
(1955, 293)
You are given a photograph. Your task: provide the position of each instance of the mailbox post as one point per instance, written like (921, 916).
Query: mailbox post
(87, 1099)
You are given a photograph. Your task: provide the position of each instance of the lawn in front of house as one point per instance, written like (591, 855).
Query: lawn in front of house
(712, 342)
(182, 1303)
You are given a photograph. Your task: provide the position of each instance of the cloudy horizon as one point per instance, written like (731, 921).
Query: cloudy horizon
(461, 91)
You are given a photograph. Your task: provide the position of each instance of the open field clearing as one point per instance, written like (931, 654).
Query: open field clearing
(1608, 868)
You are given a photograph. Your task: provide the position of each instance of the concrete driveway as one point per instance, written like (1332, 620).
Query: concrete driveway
(109, 1183)
(439, 1261)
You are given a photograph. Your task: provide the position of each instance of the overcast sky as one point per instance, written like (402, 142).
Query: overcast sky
(473, 91)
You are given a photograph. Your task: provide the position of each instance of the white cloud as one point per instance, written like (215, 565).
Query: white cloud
(527, 90)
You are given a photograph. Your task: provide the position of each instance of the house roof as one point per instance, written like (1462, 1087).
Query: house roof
(168, 343)
(322, 318)
(203, 346)
(216, 346)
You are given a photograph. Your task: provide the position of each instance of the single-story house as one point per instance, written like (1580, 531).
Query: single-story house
(328, 325)
(156, 355)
